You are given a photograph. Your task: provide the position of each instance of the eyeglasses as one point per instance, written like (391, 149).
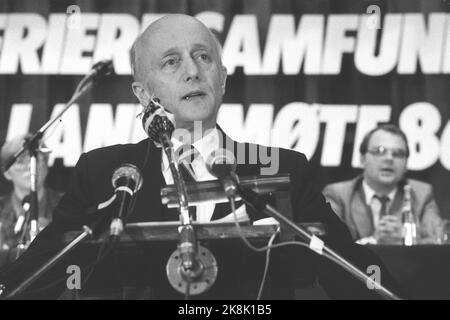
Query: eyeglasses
(383, 151)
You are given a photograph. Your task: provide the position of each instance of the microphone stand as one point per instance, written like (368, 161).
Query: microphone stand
(190, 263)
(32, 143)
(190, 267)
(316, 244)
(34, 204)
(87, 232)
(36, 137)
(99, 70)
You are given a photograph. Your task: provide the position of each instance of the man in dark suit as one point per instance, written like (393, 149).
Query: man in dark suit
(184, 71)
(371, 204)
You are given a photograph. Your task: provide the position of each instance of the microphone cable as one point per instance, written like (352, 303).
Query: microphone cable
(278, 245)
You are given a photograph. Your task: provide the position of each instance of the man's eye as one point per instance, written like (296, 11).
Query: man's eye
(204, 57)
(171, 62)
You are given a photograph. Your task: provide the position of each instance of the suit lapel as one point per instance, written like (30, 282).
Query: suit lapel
(361, 213)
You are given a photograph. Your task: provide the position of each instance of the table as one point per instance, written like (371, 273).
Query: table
(423, 271)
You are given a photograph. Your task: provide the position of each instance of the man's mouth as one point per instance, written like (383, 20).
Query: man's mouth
(387, 170)
(193, 95)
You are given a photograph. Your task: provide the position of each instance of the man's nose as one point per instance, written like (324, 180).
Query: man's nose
(389, 156)
(192, 71)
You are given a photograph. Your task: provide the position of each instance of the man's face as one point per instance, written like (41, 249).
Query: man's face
(385, 162)
(180, 65)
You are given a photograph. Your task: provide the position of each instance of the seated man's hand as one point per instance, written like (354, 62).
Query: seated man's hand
(389, 229)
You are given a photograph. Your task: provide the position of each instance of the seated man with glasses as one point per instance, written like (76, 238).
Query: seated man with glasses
(371, 204)
(15, 205)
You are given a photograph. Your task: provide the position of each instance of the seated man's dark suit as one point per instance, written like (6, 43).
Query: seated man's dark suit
(91, 185)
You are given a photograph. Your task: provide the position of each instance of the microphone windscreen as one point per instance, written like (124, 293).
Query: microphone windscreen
(103, 68)
(127, 174)
(155, 120)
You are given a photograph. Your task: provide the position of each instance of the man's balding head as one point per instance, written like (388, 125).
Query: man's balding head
(177, 59)
(144, 40)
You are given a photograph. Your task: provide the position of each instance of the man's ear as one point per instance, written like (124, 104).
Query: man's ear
(141, 93)
(362, 159)
(223, 78)
(7, 175)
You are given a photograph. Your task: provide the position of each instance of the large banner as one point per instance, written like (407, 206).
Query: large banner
(312, 76)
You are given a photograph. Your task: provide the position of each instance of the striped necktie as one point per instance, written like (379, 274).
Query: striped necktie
(383, 201)
(186, 155)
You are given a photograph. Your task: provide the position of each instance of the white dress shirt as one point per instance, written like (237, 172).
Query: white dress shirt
(205, 146)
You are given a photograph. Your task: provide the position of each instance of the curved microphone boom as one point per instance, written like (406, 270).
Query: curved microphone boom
(127, 180)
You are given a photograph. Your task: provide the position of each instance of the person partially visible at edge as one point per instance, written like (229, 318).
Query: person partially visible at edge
(14, 204)
(371, 204)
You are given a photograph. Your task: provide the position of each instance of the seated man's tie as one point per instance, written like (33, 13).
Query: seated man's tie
(383, 201)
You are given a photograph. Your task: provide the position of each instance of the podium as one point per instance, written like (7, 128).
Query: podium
(136, 267)
(139, 260)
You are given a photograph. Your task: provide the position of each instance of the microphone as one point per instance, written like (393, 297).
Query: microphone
(221, 163)
(100, 69)
(126, 180)
(158, 123)
(26, 205)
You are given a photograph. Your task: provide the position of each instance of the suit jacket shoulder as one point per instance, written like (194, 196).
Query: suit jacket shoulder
(420, 187)
(104, 158)
(343, 189)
